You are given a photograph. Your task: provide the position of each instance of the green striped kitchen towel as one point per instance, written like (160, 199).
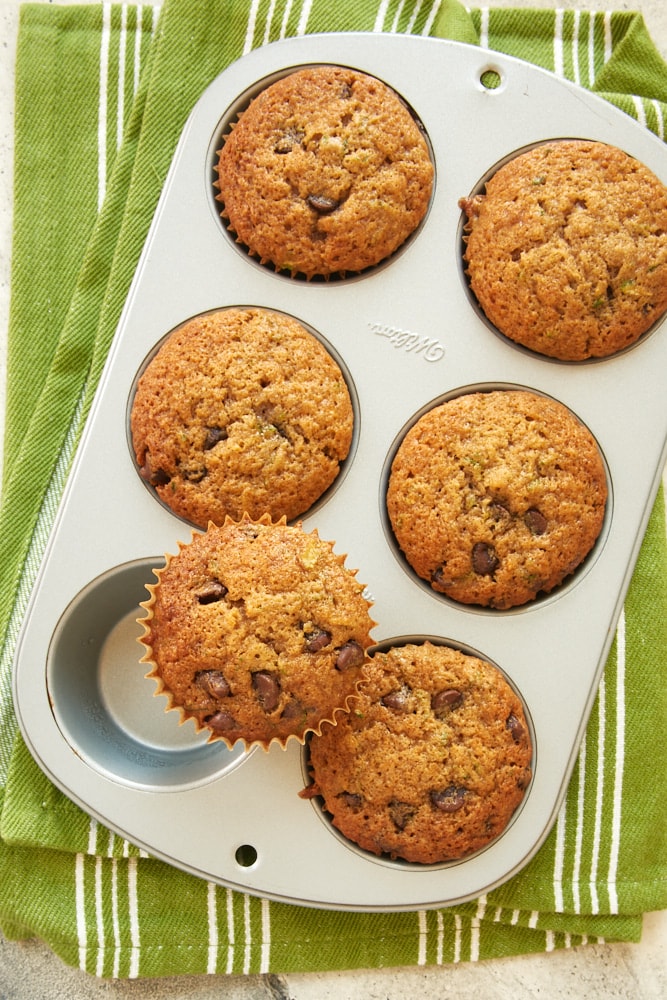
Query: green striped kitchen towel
(103, 91)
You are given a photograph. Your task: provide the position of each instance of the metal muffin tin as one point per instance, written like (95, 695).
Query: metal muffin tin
(408, 335)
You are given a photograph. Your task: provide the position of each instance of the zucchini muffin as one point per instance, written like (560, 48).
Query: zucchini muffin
(326, 172)
(495, 497)
(241, 410)
(432, 760)
(566, 250)
(257, 631)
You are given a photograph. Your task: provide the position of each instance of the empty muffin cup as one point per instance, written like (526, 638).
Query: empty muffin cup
(102, 702)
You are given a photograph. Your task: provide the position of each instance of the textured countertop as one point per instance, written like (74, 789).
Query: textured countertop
(29, 971)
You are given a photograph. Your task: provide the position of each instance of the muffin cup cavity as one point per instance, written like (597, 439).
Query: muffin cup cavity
(490, 505)
(229, 428)
(368, 797)
(100, 699)
(337, 183)
(539, 264)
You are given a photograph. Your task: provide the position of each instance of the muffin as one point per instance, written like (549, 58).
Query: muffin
(566, 250)
(257, 631)
(495, 497)
(326, 172)
(431, 762)
(241, 410)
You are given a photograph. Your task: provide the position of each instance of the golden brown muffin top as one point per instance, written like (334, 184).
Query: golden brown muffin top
(326, 172)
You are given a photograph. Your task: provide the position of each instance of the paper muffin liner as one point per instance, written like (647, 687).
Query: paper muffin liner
(328, 716)
(303, 273)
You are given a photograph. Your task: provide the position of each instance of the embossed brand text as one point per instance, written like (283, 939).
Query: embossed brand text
(429, 348)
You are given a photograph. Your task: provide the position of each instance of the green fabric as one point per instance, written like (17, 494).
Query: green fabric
(89, 164)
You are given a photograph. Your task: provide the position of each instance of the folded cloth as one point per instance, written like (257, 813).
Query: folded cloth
(102, 92)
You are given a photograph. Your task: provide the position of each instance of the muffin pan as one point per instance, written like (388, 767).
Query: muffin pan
(408, 336)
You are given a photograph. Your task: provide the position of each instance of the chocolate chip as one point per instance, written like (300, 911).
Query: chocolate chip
(221, 721)
(316, 639)
(293, 710)
(194, 473)
(349, 655)
(213, 682)
(535, 521)
(499, 511)
(450, 799)
(213, 436)
(266, 686)
(322, 204)
(397, 700)
(352, 800)
(515, 728)
(523, 780)
(438, 577)
(156, 477)
(401, 813)
(444, 701)
(484, 559)
(211, 592)
(288, 140)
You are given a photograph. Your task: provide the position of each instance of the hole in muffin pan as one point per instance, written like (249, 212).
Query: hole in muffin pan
(226, 124)
(540, 598)
(246, 856)
(478, 189)
(332, 351)
(102, 702)
(386, 860)
(491, 78)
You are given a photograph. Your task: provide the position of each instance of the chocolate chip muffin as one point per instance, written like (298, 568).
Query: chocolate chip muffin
(326, 172)
(495, 497)
(257, 631)
(566, 250)
(241, 410)
(432, 760)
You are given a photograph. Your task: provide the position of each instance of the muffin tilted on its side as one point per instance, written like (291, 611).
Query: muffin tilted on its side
(257, 631)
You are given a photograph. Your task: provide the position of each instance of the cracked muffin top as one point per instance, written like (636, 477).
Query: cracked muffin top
(566, 249)
(241, 410)
(432, 760)
(257, 631)
(495, 497)
(326, 172)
